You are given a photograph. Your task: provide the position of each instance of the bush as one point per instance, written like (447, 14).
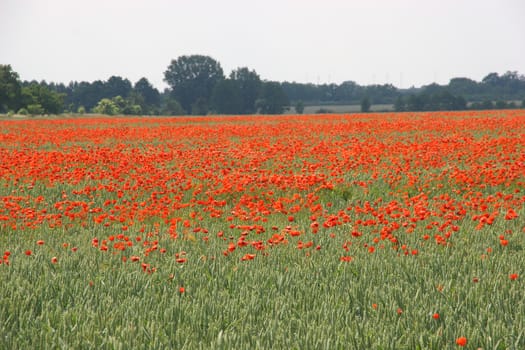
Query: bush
(23, 111)
(35, 109)
(106, 106)
(81, 110)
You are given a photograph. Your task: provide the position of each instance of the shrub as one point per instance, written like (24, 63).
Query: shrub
(35, 109)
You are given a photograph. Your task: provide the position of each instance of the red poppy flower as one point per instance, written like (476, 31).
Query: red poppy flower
(461, 341)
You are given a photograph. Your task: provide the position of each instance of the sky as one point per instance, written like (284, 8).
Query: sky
(404, 43)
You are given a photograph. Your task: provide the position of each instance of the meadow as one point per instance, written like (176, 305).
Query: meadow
(356, 231)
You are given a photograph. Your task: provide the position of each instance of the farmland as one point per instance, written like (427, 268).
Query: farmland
(343, 231)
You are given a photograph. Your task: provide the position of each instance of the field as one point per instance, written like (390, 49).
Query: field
(364, 231)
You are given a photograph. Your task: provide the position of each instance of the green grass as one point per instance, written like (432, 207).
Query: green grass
(90, 299)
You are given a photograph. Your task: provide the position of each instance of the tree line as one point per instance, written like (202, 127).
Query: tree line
(198, 85)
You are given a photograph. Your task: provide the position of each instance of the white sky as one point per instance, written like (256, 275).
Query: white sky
(406, 42)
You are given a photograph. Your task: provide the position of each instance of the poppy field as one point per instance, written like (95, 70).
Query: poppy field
(364, 231)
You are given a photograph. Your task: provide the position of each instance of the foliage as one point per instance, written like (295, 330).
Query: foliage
(10, 89)
(147, 96)
(23, 111)
(117, 105)
(195, 79)
(35, 109)
(49, 102)
(249, 85)
(226, 97)
(272, 99)
(117, 86)
(107, 107)
(172, 107)
(436, 100)
(192, 79)
(200, 106)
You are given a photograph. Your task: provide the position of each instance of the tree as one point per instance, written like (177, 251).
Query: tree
(193, 78)
(365, 105)
(150, 95)
(299, 107)
(117, 86)
(492, 79)
(226, 97)
(249, 85)
(272, 99)
(10, 89)
(171, 106)
(400, 104)
(199, 107)
(41, 100)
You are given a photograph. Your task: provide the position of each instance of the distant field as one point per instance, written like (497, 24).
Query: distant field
(368, 231)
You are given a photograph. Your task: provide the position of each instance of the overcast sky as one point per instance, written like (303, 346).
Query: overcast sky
(406, 42)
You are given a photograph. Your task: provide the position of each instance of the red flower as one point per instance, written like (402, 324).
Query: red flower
(248, 257)
(28, 252)
(40, 242)
(513, 276)
(461, 341)
(182, 290)
(435, 316)
(54, 260)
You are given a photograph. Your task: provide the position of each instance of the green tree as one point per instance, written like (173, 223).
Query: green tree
(400, 104)
(226, 97)
(117, 86)
(150, 95)
(36, 94)
(272, 99)
(299, 107)
(200, 107)
(249, 85)
(365, 105)
(10, 89)
(171, 106)
(192, 79)
(106, 106)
